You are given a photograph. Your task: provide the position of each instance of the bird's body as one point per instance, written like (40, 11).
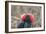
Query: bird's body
(27, 21)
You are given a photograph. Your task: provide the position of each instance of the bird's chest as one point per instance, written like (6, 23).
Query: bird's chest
(27, 25)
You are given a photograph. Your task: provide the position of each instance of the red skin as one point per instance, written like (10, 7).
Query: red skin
(32, 18)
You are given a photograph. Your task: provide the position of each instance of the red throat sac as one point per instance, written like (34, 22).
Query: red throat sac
(32, 18)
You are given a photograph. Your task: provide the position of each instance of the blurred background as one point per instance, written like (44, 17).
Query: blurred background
(18, 10)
